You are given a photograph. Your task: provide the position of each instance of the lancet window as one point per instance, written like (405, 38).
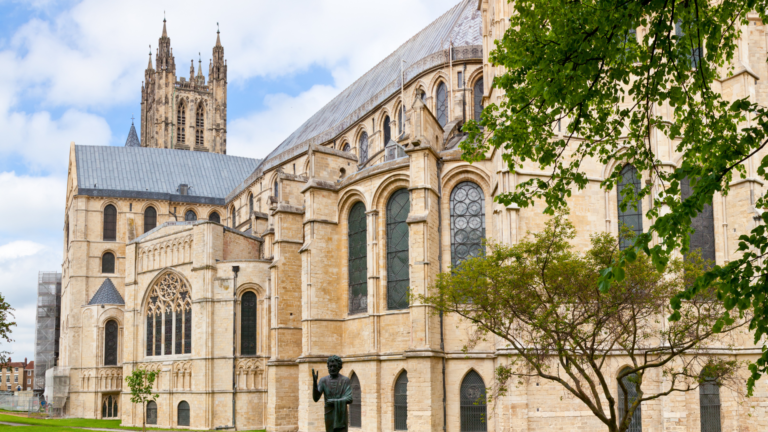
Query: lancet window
(474, 414)
(355, 408)
(169, 317)
(150, 219)
(214, 217)
(248, 305)
(632, 216)
(110, 223)
(387, 130)
(442, 104)
(110, 343)
(630, 384)
(401, 402)
(477, 92)
(703, 237)
(398, 276)
(181, 123)
(467, 222)
(358, 259)
(200, 126)
(363, 148)
(109, 407)
(190, 216)
(709, 402)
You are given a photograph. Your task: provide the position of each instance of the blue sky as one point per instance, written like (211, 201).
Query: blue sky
(72, 71)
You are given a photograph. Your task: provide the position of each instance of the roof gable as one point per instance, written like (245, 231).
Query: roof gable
(107, 294)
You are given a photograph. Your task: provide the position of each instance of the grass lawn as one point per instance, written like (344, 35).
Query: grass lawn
(55, 425)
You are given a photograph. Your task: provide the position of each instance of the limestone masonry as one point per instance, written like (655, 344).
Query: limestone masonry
(235, 277)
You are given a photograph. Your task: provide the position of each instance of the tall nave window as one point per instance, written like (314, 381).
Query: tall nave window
(248, 306)
(632, 215)
(467, 222)
(398, 276)
(110, 223)
(200, 126)
(181, 123)
(169, 317)
(358, 259)
(441, 106)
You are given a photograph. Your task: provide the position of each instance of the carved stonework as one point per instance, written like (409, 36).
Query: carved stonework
(250, 374)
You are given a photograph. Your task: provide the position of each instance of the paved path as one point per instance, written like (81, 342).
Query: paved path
(86, 428)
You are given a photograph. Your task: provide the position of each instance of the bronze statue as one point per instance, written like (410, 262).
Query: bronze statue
(338, 394)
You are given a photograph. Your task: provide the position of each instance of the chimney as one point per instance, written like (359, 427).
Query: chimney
(183, 189)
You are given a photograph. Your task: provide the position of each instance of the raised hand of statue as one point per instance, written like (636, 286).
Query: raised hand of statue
(314, 378)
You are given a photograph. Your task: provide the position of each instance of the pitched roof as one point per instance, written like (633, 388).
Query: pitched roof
(107, 294)
(133, 138)
(151, 173)
(460, 25)
(31, 365)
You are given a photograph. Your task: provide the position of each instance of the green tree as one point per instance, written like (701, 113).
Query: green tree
(6, 314)
(141, 381)
(616, 73)
(542, 300)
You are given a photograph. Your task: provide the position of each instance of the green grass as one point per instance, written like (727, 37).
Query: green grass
(55, 425)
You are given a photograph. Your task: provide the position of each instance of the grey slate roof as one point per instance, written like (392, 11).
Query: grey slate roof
(461, 24)
(107, 294)
(133, 138)
(151, 173)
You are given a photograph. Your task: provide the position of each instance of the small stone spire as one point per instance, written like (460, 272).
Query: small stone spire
(218, 38)
(165, 32)
(133, 137)
(149, 66)
(191, 69)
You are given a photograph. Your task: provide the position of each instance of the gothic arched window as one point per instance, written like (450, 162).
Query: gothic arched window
(477, 93)
(358, 259)
(181, 123)
(473, 404)
(152, 412)
(632, 217)
(190, 216)
(169, 298)
(233, 212)
(250, 204)
(630, 383)
(467, 222)
(110, 223)
(183, 414)
(441, 104)
(109, 407)
(400, 119)
(401, 402)
(200, 126)
(248, 336)
(277, 194)
(398, 277)
(346, 147)
(108, 263)
(150, 219)
(363, 148)
(703, 237)
(110, 343)
(355, 408)
(709, 404)
(387, 130)
(214, 217)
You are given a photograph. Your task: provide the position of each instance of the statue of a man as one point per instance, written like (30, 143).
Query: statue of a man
(338, 394)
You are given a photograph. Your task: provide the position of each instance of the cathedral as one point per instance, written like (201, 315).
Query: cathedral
(234, 278)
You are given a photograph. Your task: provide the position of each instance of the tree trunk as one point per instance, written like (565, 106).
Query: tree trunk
(143, 418)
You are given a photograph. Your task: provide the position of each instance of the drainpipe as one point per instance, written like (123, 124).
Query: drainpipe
(440, 268)
(235, 270)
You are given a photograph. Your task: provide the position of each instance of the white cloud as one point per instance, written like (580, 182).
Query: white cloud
(40, 200)
(258, 133)
(19, 249)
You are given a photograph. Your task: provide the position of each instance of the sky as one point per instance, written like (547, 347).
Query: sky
(71, 71)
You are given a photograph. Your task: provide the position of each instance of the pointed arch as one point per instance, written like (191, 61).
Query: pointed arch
(355, 408)
(477, 98)
(632, 214)
(363, 147)
(214, 217)
(357, 238)
(200, 125)
(441, 103)
(629, 382)
(401, 401)
(474, 415)
(168, 312)
(181, 122)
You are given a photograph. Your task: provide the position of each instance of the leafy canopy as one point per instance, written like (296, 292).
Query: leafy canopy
(620, 76)
(541, 299)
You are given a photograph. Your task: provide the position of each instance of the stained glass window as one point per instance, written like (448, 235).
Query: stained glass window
(183, 414)
(110, 343)
(363, 148)
(355, 408)
(110, 223)
(474, 416)
(442, 104)
(150, 219)
(703, 237)
(401, 402)
(467, 222)
(248, 306)
(358, 259)
(398, 277)
(168, 331)
(151, 412)
(630, 383)
(108, 263)
(190, 216)
(188, 330)
(158, 333)
(709, 402)
(387, 130)
(632, 217)
(177, 334)
(477, 93)
(214, 217)
(150, 334)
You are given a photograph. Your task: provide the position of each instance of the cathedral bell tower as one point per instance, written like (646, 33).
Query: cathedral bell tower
(180, 114)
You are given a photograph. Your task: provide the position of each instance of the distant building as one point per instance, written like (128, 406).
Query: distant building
(17, 376)
(47, 326)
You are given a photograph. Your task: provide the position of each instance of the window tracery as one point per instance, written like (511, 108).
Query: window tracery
(169, 306)
(200, 126)
(181, 123)
(442, 104)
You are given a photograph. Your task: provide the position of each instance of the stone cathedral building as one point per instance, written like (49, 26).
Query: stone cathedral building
(234, 277)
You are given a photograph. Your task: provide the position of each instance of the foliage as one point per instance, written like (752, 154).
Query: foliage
(541, 299)
(6, 314)
(141, 381)
(620, 75)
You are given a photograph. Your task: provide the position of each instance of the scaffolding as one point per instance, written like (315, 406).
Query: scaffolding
(48, 325)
